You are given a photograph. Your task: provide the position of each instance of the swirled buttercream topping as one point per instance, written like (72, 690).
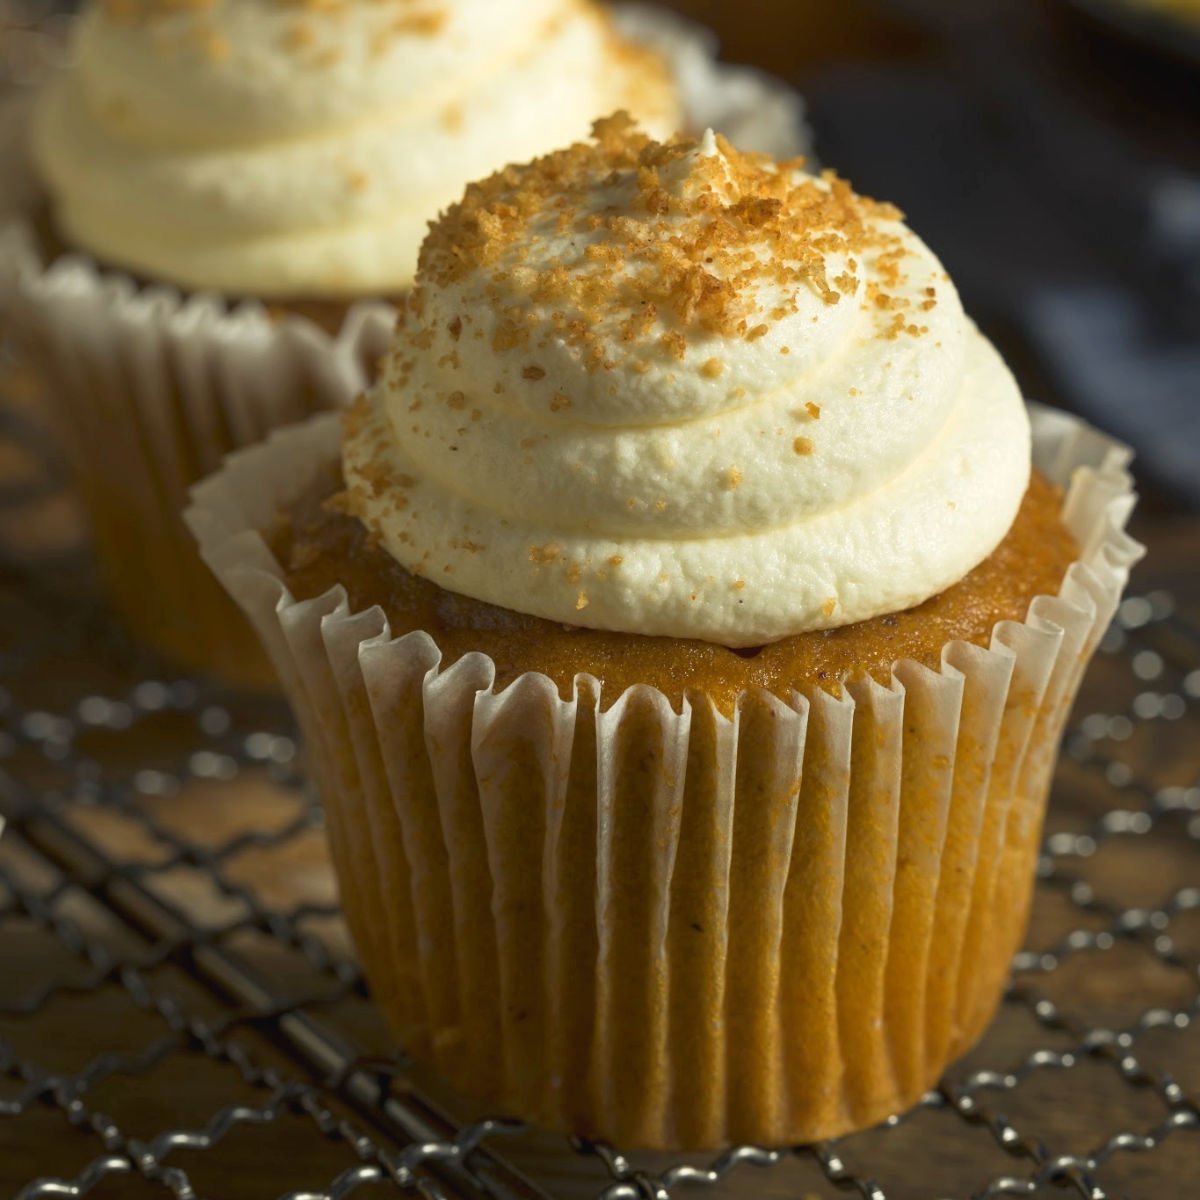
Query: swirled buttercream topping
(300, 147)
(676, 389)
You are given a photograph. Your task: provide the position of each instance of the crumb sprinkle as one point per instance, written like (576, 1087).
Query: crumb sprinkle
(702, 238)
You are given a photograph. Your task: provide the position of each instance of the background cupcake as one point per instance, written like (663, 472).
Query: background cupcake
(278, 150)
(283, 155)
(685, 754)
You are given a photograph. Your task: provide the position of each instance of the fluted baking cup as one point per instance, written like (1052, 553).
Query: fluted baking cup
(151, 388)
(669, 926)
(148, 390)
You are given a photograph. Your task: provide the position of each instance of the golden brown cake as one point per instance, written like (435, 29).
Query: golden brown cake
(682, 639)
(319, 547)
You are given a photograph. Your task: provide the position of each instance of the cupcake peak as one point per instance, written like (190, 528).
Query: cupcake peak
(673, 388)
(687, 235)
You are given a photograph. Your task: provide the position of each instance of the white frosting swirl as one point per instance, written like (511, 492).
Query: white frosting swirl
(271, 148)
(822, 460)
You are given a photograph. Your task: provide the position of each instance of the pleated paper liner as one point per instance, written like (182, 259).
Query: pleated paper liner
(151, 388)
(149, 391)
(679, 928)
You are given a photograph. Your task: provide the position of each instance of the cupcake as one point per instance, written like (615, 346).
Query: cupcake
(681, 636)
(217, 185)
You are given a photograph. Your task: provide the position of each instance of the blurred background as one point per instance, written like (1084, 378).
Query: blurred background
(1049, 151)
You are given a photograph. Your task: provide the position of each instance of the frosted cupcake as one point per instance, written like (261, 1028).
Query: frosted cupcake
(268, 149)
(682, 640)
(284, 154)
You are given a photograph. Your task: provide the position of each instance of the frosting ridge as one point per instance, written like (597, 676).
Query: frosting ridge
(674, 389)
(275, 148)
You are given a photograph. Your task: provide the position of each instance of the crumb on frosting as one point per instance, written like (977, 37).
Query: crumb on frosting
(704, 236)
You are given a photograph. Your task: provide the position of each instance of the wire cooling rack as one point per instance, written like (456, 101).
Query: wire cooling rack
(181, 1013)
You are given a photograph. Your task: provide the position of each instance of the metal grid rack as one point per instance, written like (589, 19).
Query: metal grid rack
(165, 901)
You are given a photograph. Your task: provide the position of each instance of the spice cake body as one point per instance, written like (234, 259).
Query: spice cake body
(683, 640)
(320, 547)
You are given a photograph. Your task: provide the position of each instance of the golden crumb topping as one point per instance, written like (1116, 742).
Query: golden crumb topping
(672, 236)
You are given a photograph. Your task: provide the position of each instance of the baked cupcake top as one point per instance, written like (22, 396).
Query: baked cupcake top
(299, 147)
(676, 389)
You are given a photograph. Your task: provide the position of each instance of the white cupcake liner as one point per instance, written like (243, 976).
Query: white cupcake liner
(152, 388)
(680, 928)
(147, 391)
